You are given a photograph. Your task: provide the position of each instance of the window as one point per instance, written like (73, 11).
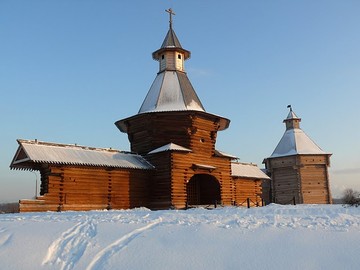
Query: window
(179, 56)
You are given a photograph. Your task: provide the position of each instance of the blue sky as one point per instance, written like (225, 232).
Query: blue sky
(69, 69)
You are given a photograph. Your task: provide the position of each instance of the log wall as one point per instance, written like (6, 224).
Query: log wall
(285, 185)
(87, 188)
(147, 132)
(183, 170)
(245, 188)
(74, 188)
(304, 177)
(315, 179)
(266, 191)
(161, 182)
(174, 169)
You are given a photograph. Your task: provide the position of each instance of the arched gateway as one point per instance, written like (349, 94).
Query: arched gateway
(203, 189)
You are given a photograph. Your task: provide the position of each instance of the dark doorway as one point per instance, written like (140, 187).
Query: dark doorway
(203, 189)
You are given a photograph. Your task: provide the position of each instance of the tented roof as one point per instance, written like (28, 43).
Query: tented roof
(247, 170)
(171, 42)
(171, 91)
(296, 142)
(30, 152)
(291, 115)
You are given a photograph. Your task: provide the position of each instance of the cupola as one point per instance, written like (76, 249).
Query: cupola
(171, 55)
(292, 121)
(171, 89)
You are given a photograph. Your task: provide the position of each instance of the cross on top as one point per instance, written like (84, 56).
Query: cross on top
(170, 11)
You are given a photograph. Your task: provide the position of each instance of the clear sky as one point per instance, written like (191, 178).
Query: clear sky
(69, 69)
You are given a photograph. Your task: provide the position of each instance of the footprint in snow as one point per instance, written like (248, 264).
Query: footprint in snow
(68, 249)
(4, 237)
(105, 254)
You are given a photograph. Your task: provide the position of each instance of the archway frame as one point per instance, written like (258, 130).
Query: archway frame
(203, 189)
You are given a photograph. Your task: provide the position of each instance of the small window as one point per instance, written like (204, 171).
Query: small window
(162, 57)
(179, 56)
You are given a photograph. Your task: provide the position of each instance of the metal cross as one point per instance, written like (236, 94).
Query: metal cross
(170, 11)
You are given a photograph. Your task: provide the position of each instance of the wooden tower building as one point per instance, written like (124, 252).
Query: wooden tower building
(174, 132)
(173, 161)
(298, 167)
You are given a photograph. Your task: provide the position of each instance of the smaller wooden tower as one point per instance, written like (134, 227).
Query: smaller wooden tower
(298, 167)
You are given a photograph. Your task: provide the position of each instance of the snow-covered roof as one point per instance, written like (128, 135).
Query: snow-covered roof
(169, 147)
(296, 142)
(203, 166)
(223, 154)
(171, 91)
(30, 152)
(247, 170)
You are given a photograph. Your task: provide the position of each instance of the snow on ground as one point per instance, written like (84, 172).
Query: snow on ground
(271, 237)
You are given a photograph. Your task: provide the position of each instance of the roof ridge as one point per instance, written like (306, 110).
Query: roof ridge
(245, 163)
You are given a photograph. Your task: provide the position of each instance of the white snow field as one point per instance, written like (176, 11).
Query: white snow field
(271, 237)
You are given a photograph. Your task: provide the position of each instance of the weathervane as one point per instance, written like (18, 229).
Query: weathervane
(289, 106)
(171, 12)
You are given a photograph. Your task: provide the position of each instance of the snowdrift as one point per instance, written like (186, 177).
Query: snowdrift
(271, 237)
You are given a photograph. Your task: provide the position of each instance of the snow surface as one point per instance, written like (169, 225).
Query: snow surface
(271, 237)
